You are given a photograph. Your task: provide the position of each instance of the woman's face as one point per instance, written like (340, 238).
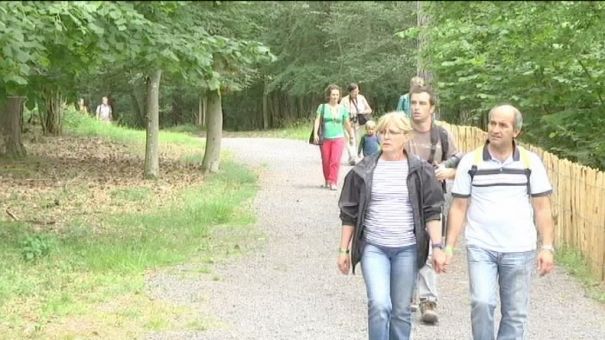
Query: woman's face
(334, 96)
(393, 139)
(354, 93)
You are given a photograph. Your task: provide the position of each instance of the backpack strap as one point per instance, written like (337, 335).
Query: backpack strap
(477, 159)
(445, 142)
(526, 160)
(438, 133)
(523, 155)
(434, 139)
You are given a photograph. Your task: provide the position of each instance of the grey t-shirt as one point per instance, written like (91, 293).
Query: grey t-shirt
(420, 144)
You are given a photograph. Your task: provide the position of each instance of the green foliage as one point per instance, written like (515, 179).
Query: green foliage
(576, 265)
(33, 247)
(542, 57)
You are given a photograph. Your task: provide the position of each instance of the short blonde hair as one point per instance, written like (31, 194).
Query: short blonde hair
(370, 124)
(395, 119)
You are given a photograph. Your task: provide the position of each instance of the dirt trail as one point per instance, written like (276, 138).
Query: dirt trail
(289, 287)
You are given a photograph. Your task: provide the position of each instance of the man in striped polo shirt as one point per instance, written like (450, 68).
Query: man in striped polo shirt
(502, 189)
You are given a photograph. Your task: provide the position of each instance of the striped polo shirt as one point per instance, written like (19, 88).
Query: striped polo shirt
(500, 215)
(389, 220)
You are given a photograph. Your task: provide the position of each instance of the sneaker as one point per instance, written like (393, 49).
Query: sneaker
(352, 163)
(333, 187)
(428, 310)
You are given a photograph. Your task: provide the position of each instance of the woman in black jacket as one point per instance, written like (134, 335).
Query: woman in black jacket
(390, 206)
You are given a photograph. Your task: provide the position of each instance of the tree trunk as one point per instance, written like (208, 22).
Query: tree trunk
(202, 109)
(12, 127)
(52, 119)
(152, 167)
(137, 97)
(265, 107)
(214, 133)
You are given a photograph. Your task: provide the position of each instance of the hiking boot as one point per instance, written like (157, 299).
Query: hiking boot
(428, 310)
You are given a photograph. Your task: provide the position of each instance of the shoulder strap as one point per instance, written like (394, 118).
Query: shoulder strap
(526, 160)
(434, 138)
(477, 159)
(445, 142)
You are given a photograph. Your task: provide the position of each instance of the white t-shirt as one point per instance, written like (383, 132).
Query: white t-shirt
(500, 216)
(362, 104)
(104, 112)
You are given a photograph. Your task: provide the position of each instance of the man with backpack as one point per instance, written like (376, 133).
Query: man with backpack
(435, 145)
(502, 195)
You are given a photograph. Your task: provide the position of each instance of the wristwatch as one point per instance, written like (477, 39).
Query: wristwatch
(437, 245)
(549, 248)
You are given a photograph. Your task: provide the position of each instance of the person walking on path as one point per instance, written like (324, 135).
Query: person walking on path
(499, 191)
(369, 143)
(360, 112)
(390, 206)
(437, 146)
(403, 105)
(334, 119)
(104, 112)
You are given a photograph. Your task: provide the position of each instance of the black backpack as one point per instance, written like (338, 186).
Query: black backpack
(438, 133)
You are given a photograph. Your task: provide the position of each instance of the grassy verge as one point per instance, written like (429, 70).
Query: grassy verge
(298, 130)
(576, 265)
(82, 125)
(88, 278)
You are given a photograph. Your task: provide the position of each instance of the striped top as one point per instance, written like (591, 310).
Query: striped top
(500, 215)
(389, 220)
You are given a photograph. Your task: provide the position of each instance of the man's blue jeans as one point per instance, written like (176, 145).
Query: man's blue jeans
(390, 276)
(512, 273)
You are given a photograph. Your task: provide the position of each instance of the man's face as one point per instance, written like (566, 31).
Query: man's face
(422, 110)
(500, 130)
(105, 101)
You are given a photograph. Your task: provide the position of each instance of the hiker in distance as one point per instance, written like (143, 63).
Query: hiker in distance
(499, 191)
(390, 208)
(329, 132)
(404, 103)
(360, 112)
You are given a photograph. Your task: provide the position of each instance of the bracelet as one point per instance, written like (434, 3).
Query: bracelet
(343, 251)
(449, 250)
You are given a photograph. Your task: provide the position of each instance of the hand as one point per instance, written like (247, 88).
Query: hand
(315, 138)
(443, 173)
(439, 260)
(344, 263)
(546, 262)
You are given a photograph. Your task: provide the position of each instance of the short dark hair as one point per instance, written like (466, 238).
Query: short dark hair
(330, 88)
(422, 89)
(352, 87)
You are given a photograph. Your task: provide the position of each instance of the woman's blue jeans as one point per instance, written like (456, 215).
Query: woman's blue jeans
(390, 276)
(511, 272)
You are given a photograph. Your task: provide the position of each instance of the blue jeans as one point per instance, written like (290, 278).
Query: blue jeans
(390, 276)
(512, 273)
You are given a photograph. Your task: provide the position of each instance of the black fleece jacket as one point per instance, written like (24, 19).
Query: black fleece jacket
(425, 193)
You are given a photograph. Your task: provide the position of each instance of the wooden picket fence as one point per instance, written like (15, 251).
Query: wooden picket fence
(578, 200)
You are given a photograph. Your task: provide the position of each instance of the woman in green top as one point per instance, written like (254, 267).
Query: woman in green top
(334, 118)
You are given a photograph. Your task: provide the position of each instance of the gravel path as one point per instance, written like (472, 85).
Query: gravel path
(289, 287)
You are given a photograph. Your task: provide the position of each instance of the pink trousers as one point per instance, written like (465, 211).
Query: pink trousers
(331, 152)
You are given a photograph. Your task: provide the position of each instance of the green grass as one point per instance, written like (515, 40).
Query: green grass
(73, 271)
(82, 125)
(575, 264)
(82, 262)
